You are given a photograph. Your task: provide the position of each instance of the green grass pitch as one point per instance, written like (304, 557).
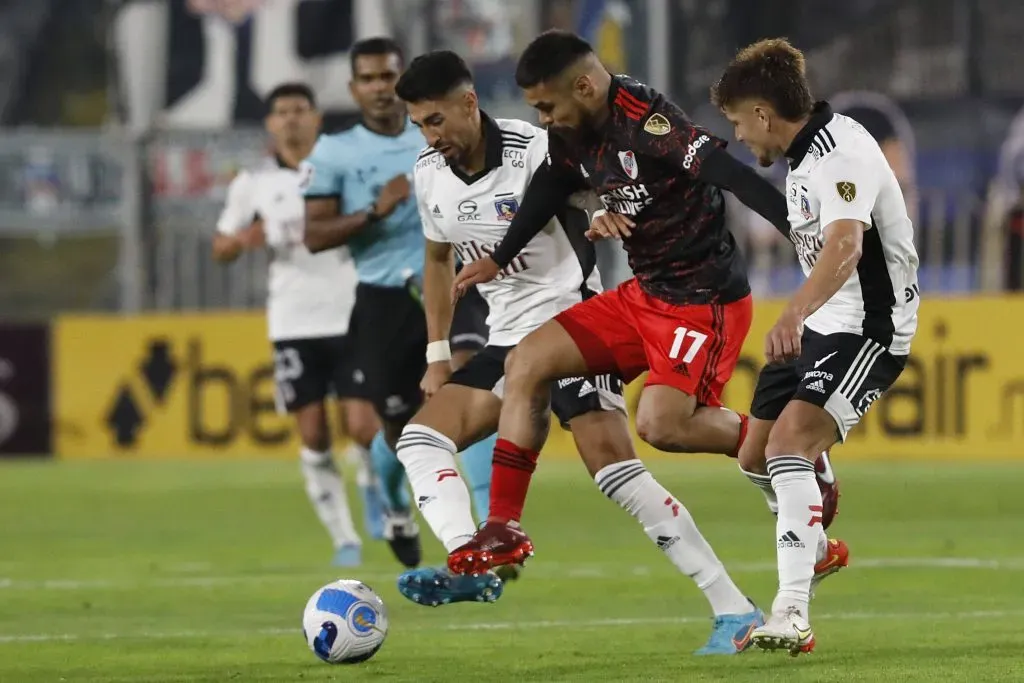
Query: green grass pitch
(198, 571)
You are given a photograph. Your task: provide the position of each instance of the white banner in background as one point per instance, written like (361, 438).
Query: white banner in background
(205, 64)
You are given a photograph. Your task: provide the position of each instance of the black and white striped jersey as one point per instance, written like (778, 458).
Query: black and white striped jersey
(473, 214)
(837, 171)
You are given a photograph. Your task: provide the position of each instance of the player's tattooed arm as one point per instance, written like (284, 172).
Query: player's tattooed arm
(721, 169)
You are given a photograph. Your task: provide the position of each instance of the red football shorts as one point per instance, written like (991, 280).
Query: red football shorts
(691, 348)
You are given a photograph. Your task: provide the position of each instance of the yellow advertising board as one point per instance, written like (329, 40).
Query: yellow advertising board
(173, 385)
(961, 395)
(166, 385)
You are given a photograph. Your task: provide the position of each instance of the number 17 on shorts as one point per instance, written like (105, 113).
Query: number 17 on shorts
(697, 347)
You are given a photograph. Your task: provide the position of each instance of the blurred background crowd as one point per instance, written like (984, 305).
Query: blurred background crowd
(124, 121)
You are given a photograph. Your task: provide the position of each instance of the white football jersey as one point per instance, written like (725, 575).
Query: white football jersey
(310, 295)
(473, 214)
(837, 171)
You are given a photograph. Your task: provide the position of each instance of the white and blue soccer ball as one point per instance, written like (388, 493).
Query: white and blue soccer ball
(345, 622)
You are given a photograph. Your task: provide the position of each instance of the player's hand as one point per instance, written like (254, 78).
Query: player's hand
(607, 225)
(395, 192)
(253, 237)
(481, 270)
(783, 341)
(435, 377)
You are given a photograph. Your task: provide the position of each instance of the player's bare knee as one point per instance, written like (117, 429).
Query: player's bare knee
(653, 428)
(524, 367)
(751, 457)
(800, 432)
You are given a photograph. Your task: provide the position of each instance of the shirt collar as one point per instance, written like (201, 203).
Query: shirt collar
(493, 147)
(821, 114)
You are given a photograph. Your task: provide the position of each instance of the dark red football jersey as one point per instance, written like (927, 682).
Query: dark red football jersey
(644, 162)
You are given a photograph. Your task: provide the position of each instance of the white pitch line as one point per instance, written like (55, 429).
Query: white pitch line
(543, 569)
(494, 626)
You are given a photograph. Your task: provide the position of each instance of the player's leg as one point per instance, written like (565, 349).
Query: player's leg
(845, 374)
(600, 430)
(590, 338)
(301, 375)
(776, 385)
(468, 336)
(692, 351)
(388, 338)
(461, 412)
(361, 425)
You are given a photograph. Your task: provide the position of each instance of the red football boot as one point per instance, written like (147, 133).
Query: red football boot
(829, 487)
(494, 544)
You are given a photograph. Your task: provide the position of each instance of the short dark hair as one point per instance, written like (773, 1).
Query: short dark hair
(294, 89)
(550, 53)
(432, 76)
(374, 46)
(771, 70)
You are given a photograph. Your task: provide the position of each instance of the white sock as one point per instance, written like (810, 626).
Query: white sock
(764, 482)
(438, 489)
(359, 457)
(326, 492)
(798, 529)
(670, 526)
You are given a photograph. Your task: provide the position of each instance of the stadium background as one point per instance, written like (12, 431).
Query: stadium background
(120, 140)
(154, 525)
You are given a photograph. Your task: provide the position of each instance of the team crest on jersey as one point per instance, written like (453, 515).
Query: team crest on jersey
(657, 125)
(506, 208)
(628, 161)
(805, 207)
(846, 190)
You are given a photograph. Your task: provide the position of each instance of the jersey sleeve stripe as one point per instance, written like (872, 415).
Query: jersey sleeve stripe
(829, 136)
(517, 145)
(631, 98)
(633, 111)
(823, 144)
(426, 153)
(510, 134)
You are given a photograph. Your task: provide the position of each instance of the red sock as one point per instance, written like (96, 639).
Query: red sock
(511, 470)
(744, 421)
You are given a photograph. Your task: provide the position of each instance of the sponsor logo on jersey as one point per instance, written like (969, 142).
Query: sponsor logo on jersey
(563, 383)
(657, 125)
(436, 212)
(628, 200)
(467, 211)
(506, 208)
(691, 150)
(847, 190)
(628, 161)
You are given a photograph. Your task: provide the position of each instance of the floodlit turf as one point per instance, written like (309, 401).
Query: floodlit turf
(188, 571)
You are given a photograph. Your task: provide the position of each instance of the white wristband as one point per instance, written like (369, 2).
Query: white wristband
(438, 352)
(597, 214)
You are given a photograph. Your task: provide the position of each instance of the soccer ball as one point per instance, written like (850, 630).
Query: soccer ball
(345, 622)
